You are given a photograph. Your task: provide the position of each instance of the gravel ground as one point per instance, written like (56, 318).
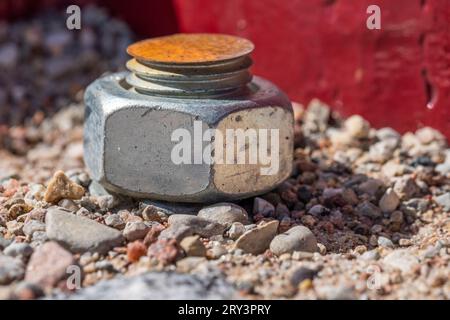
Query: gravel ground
(365, 214)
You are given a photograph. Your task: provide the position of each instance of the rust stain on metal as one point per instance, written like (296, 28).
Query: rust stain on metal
(197, 48)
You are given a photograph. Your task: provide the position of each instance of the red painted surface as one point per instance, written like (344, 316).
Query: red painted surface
(398, 76)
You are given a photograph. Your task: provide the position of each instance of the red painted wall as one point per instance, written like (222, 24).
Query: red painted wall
(398, 76)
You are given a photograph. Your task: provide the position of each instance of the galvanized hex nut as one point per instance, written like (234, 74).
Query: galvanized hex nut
(154, 132)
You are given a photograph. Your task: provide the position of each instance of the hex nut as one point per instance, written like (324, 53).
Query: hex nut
(127, 141)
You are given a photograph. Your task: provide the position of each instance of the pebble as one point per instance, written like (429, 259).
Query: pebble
(135, 250)
(357, 127)
(301, 255)
(401, 259)
(263, 207)
(151, 213)
(15, 227)
(385, 242)
(318, 210)
(153, 233)
(427, 135)
(166, 251)
(61, 187)
(97, 190)
(236, 230)
(444, 201)
(158, 286)
(80, 234)
(224, 213)
(389, 201)
(217, 251)
(177, 232)
(257, 240)
(371, 255)
(368, 209)
(27, 291)
(107, 202)
(387, 133)
(298, 238)
(200, 226)
(170, 208)
(17, 249)
(115, 221)
(383, 150)
(193, 247)
(188, 264)
(11, 269)
(339, 292)
(4, 243)
(300, 274)
(371, 186)
(135, 230)
(68, 204)
(48, 265)
(406, 188)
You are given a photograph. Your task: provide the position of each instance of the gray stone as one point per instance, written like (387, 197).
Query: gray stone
(406, 188)
(224, 213)
(4, 243)
(298, 238)
(170, 208)
(385, 242)
(257, 240)
(200, 226)
(371, 255)
(261, 206)
(107, 202)
(300, 274)
(11, 269)
(371, 186)
(389, 201)
(444, 201)
(21, 250)
(79, 234)
(158, 286)
(236, 230)
(401, 259)
(135, 230)
(177, 232)
(32, 226)
(340, 292)
(115, 221)
(368, 209)
(96, 189)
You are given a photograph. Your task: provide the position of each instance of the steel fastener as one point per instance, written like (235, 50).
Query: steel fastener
(175, 82)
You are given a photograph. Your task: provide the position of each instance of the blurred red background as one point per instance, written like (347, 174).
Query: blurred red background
(398, 76)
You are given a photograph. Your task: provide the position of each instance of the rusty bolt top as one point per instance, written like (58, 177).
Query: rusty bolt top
(194, 48)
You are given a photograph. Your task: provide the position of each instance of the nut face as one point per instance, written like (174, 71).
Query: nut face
(128, 141)
(243, 178)
(138, 153)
